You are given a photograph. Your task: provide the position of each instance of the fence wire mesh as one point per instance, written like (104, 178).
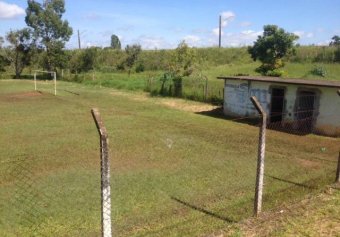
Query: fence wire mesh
(172, 172)
(49, 174)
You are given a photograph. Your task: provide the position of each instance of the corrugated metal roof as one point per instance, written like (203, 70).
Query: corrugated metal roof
(324, 83)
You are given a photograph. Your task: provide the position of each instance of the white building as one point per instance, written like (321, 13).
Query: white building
(309, 105)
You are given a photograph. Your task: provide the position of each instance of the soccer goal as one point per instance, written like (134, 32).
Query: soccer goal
(45, 81)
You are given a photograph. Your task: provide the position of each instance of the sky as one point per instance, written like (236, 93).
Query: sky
(163, 24)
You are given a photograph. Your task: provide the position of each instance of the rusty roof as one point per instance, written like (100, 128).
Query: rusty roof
(324, 83)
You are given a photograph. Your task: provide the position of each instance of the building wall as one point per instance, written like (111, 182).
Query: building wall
(328, 120)
(237, 102)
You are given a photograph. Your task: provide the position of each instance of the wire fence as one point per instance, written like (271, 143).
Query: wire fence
(172, 173)
(193, 88)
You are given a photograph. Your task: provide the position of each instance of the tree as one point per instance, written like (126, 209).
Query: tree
(20, 49)
(132, 53)
(182, 62)
(115, 42)
(3, 60)
(49, 30)
(2, 41)
(271, 48)
(335, 41)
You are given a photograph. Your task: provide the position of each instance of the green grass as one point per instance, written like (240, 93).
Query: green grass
(316, 215)
(173, 173)
(193, 88)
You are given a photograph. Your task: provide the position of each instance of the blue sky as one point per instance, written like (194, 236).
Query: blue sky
(164, 23)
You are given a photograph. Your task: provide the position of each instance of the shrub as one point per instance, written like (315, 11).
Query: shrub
(275, 73)
(318, 71)
(140, 67)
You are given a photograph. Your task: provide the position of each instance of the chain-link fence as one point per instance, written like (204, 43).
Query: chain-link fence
(172, 172)
(49, 174)
(197, 88)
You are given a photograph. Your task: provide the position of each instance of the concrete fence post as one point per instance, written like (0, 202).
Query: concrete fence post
(337, 179)
(35, 81)
(105, 175)
(55, 82)
(261, 156)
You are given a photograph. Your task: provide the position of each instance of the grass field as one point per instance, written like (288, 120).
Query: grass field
(176, 171)
(193, 86)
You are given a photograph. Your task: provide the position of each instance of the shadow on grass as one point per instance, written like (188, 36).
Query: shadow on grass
(218, 113)
(294, 183)
(298, 128)
(207, 212)
(71, 92)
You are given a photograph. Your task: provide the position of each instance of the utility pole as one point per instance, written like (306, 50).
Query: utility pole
(79, 40)
(220, 33)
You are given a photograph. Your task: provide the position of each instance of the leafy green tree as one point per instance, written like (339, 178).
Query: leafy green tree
(83, 60)
(49, 30)
(132, 53)
(182, 62)
(3, 60)
(335, 41)
(88, 59)
(20, 50)
(115, 42)
(2, 57)
(271, 48)
(2, 41)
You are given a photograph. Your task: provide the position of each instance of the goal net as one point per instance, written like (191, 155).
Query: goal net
(45, 81)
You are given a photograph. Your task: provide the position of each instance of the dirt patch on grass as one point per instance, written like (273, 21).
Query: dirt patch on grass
(175, 103)
(25, 95)
(308, 163)
(19, 96)
(190, 106)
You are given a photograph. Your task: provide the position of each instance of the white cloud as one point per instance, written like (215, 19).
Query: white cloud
(323, 43)
(309, 35)
(299, 33)
(93, 16)
(245, 24)
(216, 32)
(303, 34)
(192, 40)
(227, 17)
(243, 38)
(10, 11)
(150, 42)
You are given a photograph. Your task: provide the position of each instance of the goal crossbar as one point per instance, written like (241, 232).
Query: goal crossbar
(49, 72)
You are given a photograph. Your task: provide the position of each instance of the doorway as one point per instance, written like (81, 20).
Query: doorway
(277, 105)
(305, 110)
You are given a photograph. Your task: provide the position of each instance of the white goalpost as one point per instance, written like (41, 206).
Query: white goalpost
(52, 73)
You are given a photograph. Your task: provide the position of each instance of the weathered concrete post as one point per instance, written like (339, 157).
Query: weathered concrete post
(105, 175)
(261, 156)
(35, 81)
(337, 179)
(55, 82)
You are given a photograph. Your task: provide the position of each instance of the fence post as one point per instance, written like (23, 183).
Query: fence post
(337, 179)
(105, 175)
(55, 82)
(206, 89)
(261, 156)
(35, 81)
